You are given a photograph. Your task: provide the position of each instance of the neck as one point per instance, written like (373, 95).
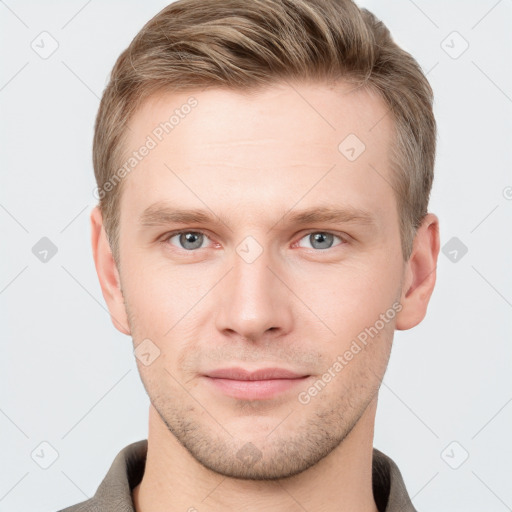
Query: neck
(174, 481)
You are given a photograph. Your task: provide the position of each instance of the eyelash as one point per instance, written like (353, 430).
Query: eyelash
(165, 239)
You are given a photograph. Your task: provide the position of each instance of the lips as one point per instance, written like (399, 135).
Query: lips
(261, 384)
(261, 374)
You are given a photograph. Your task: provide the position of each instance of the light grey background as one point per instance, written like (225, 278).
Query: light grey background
(69, 378)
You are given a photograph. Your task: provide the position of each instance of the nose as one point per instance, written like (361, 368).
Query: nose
(254, 303)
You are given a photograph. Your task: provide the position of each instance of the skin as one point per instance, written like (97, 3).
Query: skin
(254, 160)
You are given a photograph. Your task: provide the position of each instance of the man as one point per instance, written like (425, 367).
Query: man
(264, 171)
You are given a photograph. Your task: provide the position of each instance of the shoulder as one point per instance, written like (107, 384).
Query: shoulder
(114, 492)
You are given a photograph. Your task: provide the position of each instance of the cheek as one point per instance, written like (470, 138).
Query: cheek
(350, 297)
(161, 293)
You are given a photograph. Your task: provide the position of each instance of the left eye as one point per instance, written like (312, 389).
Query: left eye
(320, 240)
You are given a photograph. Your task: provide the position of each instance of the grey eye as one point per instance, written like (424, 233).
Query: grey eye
(189, 240)
(320, 240)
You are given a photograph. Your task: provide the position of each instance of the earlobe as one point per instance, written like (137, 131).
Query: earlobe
(420, 274)
(108, 274)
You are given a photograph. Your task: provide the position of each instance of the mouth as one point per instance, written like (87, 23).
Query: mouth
(261, 384)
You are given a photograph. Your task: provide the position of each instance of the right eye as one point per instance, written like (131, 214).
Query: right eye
(186, 240)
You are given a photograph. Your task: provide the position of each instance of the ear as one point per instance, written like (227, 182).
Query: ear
(419, 274)
(108, 273)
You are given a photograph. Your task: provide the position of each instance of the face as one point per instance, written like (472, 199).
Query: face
(256, 235)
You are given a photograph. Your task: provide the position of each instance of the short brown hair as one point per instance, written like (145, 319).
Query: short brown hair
(240, 44)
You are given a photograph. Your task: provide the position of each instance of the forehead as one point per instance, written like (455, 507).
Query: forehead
(288, 112)
(287, 134)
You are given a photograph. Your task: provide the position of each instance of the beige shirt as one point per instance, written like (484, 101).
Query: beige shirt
(115, 491)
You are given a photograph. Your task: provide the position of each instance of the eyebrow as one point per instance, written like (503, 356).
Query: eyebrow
(159, 214)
